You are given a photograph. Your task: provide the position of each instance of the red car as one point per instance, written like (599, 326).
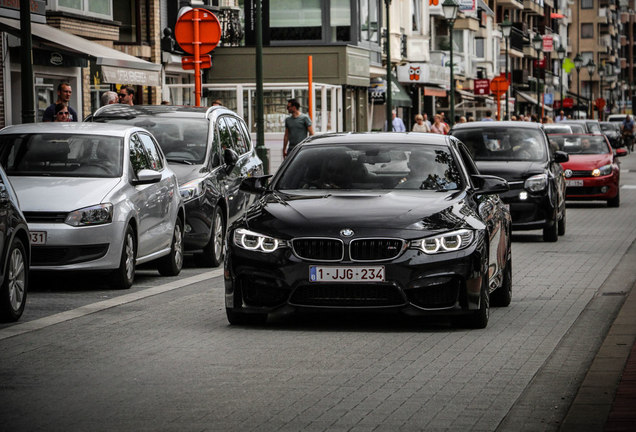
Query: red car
(593, 172)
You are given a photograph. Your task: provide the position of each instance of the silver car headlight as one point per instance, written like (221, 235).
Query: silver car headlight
(191, 190)
(93, 215)
(254, 241)
(536, 183)
(602, 171)
(447, 242)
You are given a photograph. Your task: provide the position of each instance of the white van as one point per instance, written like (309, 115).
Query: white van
(616, 117)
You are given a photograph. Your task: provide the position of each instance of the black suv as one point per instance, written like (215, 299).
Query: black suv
(211, 152)
(520, 153)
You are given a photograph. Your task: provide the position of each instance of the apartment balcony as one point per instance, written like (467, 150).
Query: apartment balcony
(603, 16)
(532, 7)
(468, 23)
(510, 4)
(623, 40)
(520, 76)
(623, 61)
(517, 38)
(443, 58)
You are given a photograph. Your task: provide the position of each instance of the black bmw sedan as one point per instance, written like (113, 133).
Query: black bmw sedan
(384, 221)
(520, 153)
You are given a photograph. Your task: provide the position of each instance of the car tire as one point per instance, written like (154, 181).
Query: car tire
(561, 225)
(502, 296)
(242, 318)
(13, 292)
(171, 264)
(124, 276)
(616, 201)
(213, 252)
(477, 319)
(551, 233)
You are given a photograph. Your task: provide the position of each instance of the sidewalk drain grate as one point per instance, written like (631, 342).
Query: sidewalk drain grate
(613, 293)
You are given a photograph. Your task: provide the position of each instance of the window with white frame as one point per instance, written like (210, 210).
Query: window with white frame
(96, 8)
(480, 48)
(417, 16)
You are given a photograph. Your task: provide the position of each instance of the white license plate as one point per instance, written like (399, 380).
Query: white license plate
(346, 274)
(38, 237)
(574, 182)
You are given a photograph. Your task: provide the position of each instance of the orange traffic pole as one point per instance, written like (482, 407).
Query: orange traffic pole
(498, 106)
(197, 59)
(310, 81)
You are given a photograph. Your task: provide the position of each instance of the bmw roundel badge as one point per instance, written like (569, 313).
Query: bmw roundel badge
(346, 232)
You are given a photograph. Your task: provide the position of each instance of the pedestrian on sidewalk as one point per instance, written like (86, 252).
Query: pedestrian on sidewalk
(127, 95)
(64, 92)
(297, 126)
(419, 125)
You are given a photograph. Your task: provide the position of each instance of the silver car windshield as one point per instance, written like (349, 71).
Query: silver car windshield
(62, 155)
(372, 167)
(183, 140)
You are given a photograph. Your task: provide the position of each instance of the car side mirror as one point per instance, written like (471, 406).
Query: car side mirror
(489, 185)
(230, 158)
(147, 176)
(254, 185)
(561, 156)
(619, 152)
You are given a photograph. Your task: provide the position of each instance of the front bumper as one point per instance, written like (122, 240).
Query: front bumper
(529, 211)
(78, 248)
(415, 283)
(594, 188)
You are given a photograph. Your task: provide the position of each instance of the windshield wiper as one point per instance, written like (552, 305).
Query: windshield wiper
(181, 161)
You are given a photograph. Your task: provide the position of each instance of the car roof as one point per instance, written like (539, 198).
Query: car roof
(378, 137)
(500, 124)
(71, 128)
(128, 111)
(578, 121)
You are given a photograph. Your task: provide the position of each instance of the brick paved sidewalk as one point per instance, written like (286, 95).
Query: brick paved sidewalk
(623, 414)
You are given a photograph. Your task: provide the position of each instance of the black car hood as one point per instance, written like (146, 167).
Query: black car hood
(390, 213)
(186, 173)
(511, 170)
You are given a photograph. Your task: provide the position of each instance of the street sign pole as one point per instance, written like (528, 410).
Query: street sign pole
(197, 58)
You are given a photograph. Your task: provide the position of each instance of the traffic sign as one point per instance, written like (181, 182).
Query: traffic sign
(208, 32)
(481, 87)
(600, 103)
(498, 85)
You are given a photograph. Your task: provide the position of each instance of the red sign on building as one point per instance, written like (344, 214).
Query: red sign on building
(481, 87)
(548, 43)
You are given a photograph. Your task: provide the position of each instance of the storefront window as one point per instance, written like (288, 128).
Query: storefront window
(295, 20)
(125, 11)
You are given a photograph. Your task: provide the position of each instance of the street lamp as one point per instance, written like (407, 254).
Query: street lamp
(591, 68)
(506, 28)
(561, 56)
(578, 63)
(601, 74)
(537, 43)
(450, 13)
(389, 84)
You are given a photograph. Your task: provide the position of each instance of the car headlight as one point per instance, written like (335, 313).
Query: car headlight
(191, 190)
(447, 242)
(536, 183)
(602, 171)
(93, 215)
(253, 241)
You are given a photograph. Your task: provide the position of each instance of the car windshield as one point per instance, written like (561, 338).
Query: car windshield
(61, 155)
(577, 128)
(493, 144)
(609, 127)
(183, 140)
(580, 144)
(593, 127)
(371, 167)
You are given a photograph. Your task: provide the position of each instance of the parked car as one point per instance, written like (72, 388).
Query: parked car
(340, 226)
(96, 197)
(612, 130)
(15, 251)
(593, 171)
(590, 126)
(520, 153)
(557, 128)
(211, 152)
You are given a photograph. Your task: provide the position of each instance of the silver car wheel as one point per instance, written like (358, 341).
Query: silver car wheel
(218, 237)
(17, 279)
(130, 256)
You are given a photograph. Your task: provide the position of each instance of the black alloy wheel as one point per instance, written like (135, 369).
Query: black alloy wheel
(213, 252)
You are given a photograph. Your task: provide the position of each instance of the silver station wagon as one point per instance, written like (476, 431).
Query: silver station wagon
(96, 197)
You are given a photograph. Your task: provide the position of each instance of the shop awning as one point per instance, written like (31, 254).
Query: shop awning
(399, 96)
(434, 91)
(532, 100)
(117, 67)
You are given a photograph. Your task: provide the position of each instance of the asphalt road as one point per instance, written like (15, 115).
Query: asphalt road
(161, 356)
